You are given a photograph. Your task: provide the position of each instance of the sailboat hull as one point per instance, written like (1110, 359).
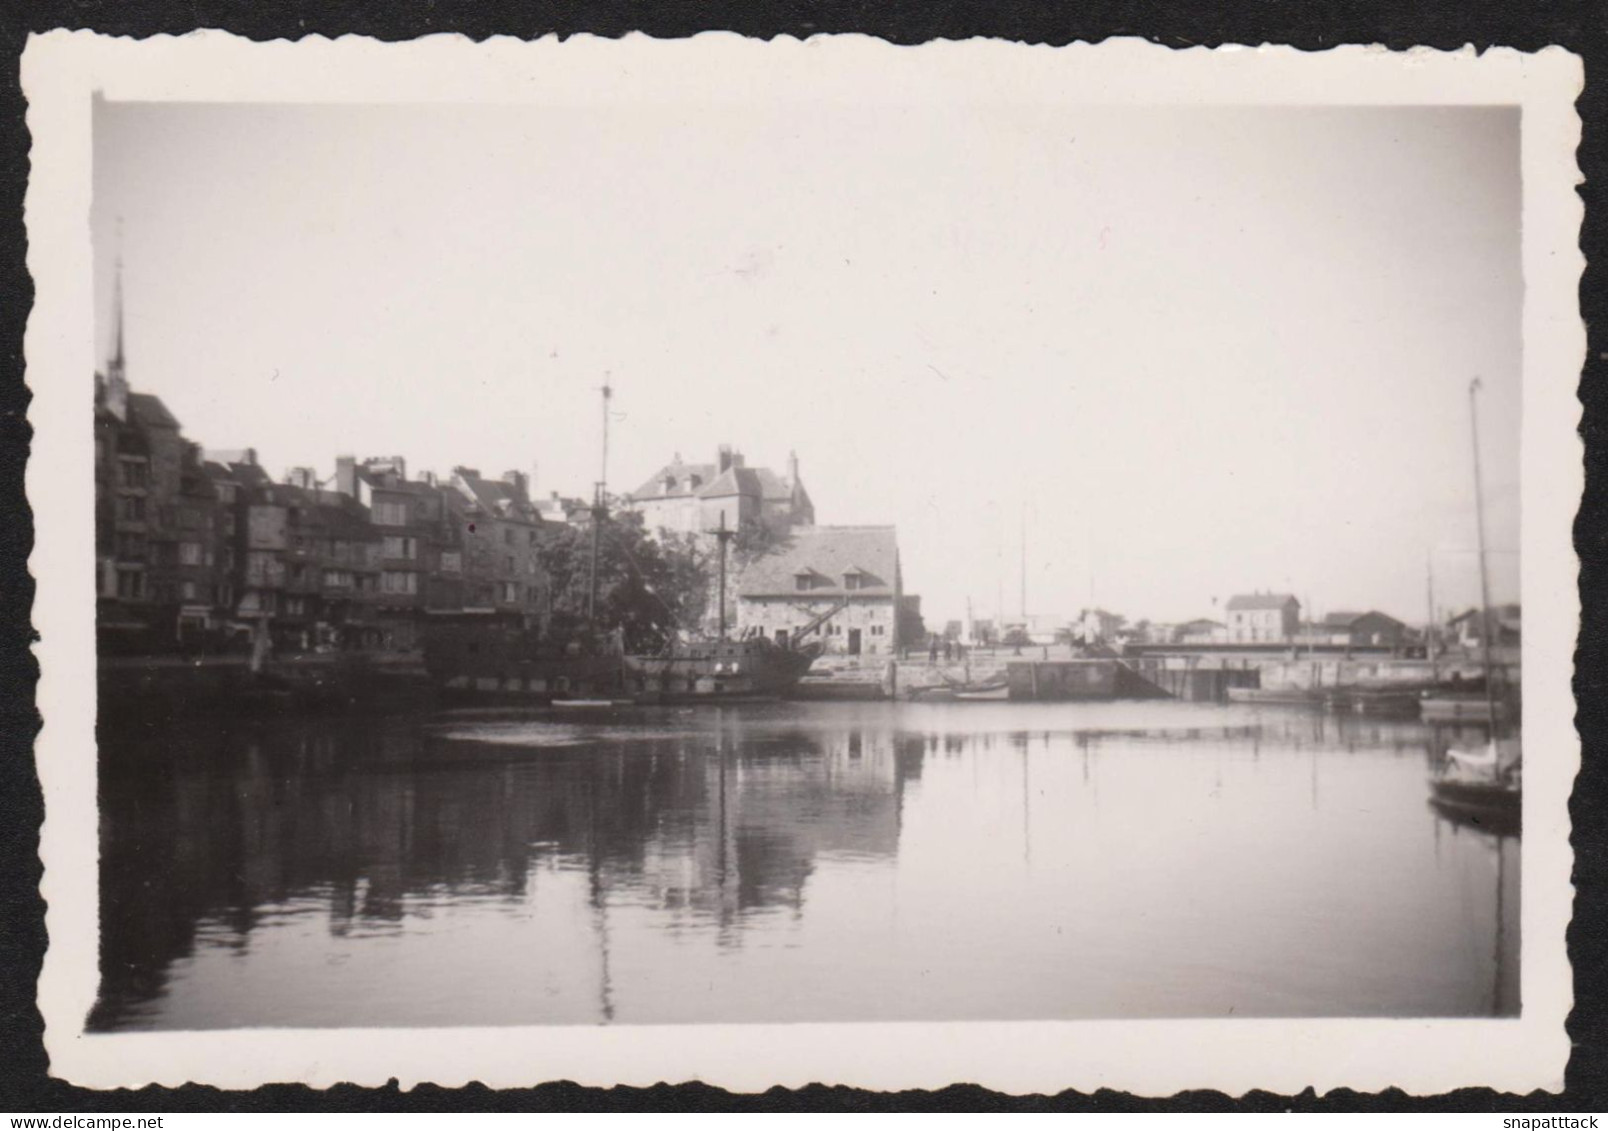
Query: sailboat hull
(1492, 807)
(723, 671)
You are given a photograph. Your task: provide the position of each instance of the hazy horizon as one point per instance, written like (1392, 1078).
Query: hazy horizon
(1191, 351)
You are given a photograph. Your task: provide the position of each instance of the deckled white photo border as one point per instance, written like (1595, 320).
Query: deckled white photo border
(61, 71)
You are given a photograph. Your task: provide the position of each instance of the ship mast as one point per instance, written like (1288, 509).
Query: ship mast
(1429, 625)
(600, 510)
(722, 535)
(1474, 387)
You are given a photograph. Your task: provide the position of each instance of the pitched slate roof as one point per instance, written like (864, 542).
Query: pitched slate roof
(733, 481)
(1340, 620)
(494, 496)
(149, 412)
(758, 482)
(1252, 601)
(772, 487)
(1509, 616)
(827, 553)
(679, 471)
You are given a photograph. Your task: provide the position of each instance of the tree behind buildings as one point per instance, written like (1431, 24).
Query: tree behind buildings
(646, 588)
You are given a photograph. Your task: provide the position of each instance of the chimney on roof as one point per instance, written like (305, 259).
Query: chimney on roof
(303, 477)
(737, 459)
(346, 475)
(723, 461)
(792, 469)
(520, 482)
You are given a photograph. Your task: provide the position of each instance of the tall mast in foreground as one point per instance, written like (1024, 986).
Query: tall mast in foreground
(1474, 387)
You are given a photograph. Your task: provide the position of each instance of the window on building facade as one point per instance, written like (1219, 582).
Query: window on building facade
(337, 579)
(295, 606)
(131, 508)
(130, 584)
(136, 474)
(508, 564)
(401, 549)
(451, 561)
(131, 547)
(393, 581)
(187, 590)
(510, 592)
(508, 536)
(532, 534)
(391, 514)
(190, 553)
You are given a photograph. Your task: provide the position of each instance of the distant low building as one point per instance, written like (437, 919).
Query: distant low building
(1034, 628)
(1263, 618)
(560, 509)
(1202, 630)
(1463, 630)
(1371, 629)
(848, 574)
(1095, 626)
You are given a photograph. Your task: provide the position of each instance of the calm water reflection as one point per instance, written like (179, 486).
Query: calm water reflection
(794, 862)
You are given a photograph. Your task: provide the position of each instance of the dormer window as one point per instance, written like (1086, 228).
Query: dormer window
(852, 580)
(694, 482)
(669, 484)
(803, 580)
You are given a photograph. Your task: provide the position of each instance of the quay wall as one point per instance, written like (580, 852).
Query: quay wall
(166, 686)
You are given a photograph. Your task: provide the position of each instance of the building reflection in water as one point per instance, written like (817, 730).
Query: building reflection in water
(598, 872)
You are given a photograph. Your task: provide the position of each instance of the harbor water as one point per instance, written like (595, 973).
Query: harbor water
(794, 862)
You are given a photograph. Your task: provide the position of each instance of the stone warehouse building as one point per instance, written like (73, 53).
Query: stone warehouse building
(849, 572)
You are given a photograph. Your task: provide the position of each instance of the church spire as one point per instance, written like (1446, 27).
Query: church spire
(117, 314)
(116, 377)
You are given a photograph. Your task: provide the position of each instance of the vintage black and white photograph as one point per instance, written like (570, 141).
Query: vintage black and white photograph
(618, 562)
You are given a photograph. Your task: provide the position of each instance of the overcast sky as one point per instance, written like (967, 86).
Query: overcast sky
(1202, 351)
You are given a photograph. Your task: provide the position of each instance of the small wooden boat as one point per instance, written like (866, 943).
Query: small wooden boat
(1290, 696)
(1482, 787)
(1391, 704)
(991, 694)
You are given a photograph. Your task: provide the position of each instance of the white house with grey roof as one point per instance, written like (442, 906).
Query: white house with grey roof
(1262, 618)
(695, 498)
(851, 572)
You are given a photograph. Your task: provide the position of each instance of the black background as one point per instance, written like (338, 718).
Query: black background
(25, 1085)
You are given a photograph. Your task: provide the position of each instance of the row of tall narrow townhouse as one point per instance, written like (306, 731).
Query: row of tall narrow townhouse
(196, 549)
